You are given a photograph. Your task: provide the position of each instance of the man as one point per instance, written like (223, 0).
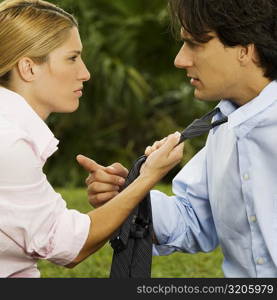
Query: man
(227, 193)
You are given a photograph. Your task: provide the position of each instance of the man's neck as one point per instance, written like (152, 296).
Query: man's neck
(251, 89)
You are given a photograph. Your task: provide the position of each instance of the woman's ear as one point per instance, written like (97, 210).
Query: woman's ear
(26, 67)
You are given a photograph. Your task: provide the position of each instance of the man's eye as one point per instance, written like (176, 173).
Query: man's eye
(191, 44)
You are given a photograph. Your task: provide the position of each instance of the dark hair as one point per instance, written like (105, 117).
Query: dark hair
(236, 22)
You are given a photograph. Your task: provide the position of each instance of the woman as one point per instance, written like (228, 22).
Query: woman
(41, 71)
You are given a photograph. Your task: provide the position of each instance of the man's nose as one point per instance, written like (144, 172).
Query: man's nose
(184, 58)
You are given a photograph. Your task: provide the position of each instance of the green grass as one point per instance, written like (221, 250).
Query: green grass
(176, 265)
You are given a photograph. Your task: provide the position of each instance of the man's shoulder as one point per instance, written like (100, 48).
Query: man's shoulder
(268, 116)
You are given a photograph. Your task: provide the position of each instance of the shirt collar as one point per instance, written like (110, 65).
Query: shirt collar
(16, 109)
(239, 115)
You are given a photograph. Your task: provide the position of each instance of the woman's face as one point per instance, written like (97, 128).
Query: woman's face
(59, 84)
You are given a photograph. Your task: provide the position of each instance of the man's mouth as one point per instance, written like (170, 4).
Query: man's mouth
(194, 80)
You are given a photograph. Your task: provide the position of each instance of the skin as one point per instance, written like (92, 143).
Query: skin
(55, 86)
(221, 72)
(217, 72)
(120, 206)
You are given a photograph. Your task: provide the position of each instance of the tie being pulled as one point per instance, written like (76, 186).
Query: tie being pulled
(132, 243)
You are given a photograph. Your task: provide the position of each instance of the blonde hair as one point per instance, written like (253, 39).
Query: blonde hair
(30, 28)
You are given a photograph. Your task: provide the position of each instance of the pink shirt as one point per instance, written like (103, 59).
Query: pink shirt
(34, 220)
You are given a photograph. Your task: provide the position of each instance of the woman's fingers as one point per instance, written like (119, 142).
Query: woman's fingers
(154, 147)
(160, 161)
(170, 144)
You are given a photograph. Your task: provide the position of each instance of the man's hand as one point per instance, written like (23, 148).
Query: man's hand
(103, 182)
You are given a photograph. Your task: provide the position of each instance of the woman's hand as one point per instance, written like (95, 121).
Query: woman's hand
(154, 147)
(162, 156)
(107, 218)
(104, 183)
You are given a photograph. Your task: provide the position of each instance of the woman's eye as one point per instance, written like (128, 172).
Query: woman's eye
(73, 58)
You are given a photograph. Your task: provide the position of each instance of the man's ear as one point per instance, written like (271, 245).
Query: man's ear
(26, 69)
(247, 54)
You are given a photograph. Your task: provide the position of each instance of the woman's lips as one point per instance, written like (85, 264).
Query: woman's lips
(78, 93)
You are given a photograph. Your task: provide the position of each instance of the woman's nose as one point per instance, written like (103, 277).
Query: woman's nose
(84, 74)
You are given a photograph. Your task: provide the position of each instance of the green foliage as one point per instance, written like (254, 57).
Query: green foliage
(135, 95)
(177, 265)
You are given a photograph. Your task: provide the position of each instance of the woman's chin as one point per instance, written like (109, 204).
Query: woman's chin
(72, 107)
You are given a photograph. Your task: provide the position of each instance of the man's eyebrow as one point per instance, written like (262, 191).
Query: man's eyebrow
(191, 40)
(188, 40)
(185, 38)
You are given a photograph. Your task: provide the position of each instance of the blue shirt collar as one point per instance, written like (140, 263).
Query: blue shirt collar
(238, 115)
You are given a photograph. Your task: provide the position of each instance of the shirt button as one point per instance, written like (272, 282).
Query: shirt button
(253, 219)
(246, 176)
(260, 261)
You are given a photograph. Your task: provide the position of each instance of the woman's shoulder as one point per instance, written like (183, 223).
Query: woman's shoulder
(18, 160)
(9, 132)
(13, 140)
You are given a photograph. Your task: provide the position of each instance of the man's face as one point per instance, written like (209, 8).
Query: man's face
(214, 70)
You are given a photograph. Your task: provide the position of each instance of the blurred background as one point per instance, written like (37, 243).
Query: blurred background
(135, 95)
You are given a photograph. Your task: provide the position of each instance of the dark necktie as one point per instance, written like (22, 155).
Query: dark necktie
(132, 243)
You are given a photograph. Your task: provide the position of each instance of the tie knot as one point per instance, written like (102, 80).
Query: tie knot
(202, 125)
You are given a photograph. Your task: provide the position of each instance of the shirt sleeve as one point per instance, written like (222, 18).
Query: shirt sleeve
(184, 222)
(33, 215)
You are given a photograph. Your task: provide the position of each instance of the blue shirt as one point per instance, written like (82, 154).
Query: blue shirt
(227, 193)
